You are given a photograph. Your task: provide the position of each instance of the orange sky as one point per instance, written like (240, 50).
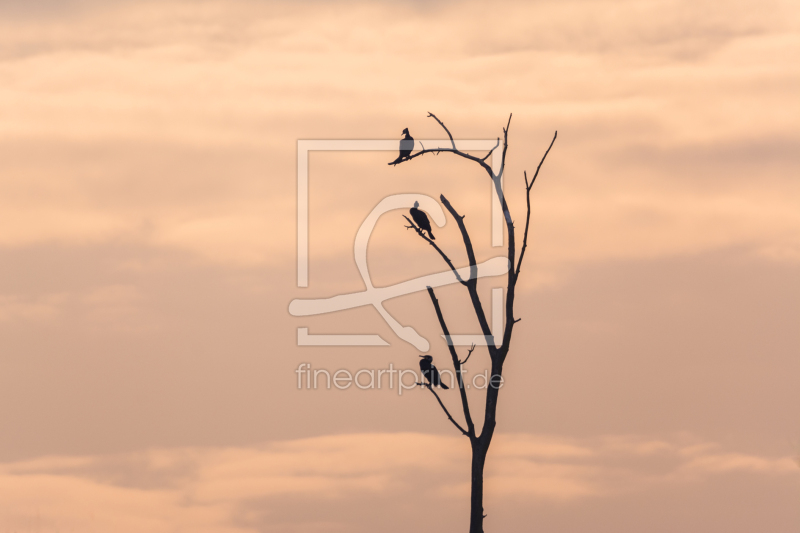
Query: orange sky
(148, 258)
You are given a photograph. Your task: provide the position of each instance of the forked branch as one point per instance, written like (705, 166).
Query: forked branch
(528, 200)
(472, 349)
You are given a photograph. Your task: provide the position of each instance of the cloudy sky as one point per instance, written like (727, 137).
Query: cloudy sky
(148, 256)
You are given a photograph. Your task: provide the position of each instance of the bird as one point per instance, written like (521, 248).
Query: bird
(421, 219)
(406, 145)
(430, 372)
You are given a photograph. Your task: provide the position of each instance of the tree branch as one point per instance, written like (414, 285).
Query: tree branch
(459, 219)
(456, 424)
(444, 256)
(528, 199)
(436, 151)
(472, 283)
(456, 365)
(505, 147)
(514, 273)
(454, 150)
(472, 349)
(502, 351)
(452, 142)
(490, 151)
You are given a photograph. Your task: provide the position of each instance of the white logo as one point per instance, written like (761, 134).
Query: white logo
(375, 296)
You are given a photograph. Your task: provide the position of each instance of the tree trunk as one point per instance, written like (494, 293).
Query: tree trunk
(476, 500)
(480, 442)
(480, 447)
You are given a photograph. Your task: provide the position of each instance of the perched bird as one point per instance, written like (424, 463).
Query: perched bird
(406, 145)
(430, 372)
(421, 219)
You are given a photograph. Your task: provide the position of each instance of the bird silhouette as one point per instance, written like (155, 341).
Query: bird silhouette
(406, 145)
(421, 219)
(430, 372)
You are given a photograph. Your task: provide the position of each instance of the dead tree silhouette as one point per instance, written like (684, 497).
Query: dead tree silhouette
(480, 442)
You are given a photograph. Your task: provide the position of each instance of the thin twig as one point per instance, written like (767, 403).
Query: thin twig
(490, 151)
(472, 349)
(555, 135)
(505, 149)
(452, 142)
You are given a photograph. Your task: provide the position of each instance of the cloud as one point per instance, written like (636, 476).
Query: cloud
(736, 462)
(175, 124)
(212, 489)
(30, 308)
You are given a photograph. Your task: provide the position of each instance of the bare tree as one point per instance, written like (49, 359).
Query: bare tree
(480, 441)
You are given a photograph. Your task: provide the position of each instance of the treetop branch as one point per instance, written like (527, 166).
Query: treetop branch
(454, 150)
(505, 149)
(540, 163)
(528, 214)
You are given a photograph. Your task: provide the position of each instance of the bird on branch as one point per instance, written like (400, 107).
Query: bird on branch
(430, 372)
(406, 145)
(421, 219)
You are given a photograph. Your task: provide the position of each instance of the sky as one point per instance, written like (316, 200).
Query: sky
(148, 258)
